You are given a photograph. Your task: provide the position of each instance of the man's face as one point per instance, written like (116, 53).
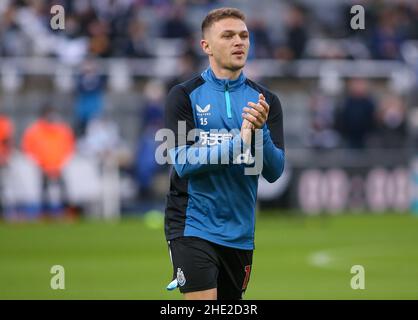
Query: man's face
(227, 42)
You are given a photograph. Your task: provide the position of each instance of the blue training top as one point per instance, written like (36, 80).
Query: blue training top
(211, 199)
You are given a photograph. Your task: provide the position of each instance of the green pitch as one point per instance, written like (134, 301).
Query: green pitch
(295, 258)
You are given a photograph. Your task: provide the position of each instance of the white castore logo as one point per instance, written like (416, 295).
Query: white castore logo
(204, 110)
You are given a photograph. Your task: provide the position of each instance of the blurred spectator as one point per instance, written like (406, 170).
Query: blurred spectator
(50, 143)
(12, 42)
(104, 151)
(188, 67)
(119, 15)
(83, 14)
(357, 116)
(99, 38)
(322, 132)
(152, 116)
(412, 12)
(138, 44)
(176, 25)
(261, 44)
(387, 37)
(6, 139)
(90, 92)
(296, 34)
(101, 139)
(391, 117)
(19, 187)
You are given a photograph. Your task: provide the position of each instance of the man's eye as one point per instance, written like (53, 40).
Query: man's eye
(227, 36)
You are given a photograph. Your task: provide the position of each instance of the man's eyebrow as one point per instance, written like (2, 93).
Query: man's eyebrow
(234, 31)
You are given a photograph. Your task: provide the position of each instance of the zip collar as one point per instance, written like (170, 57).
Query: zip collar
(223, 84)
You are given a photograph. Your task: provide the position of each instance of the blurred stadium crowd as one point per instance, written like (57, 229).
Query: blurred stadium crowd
(128, 28)
(80, 107)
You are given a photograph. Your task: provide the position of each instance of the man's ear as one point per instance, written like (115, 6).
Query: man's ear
(206, 47)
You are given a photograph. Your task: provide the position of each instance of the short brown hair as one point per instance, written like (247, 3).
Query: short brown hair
(219, 14)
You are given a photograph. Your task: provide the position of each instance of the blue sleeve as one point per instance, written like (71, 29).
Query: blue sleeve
(273, 142)
(273, 158)
(196, 159)
(188, 157)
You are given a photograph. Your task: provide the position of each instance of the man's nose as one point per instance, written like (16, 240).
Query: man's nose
(238, 41)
